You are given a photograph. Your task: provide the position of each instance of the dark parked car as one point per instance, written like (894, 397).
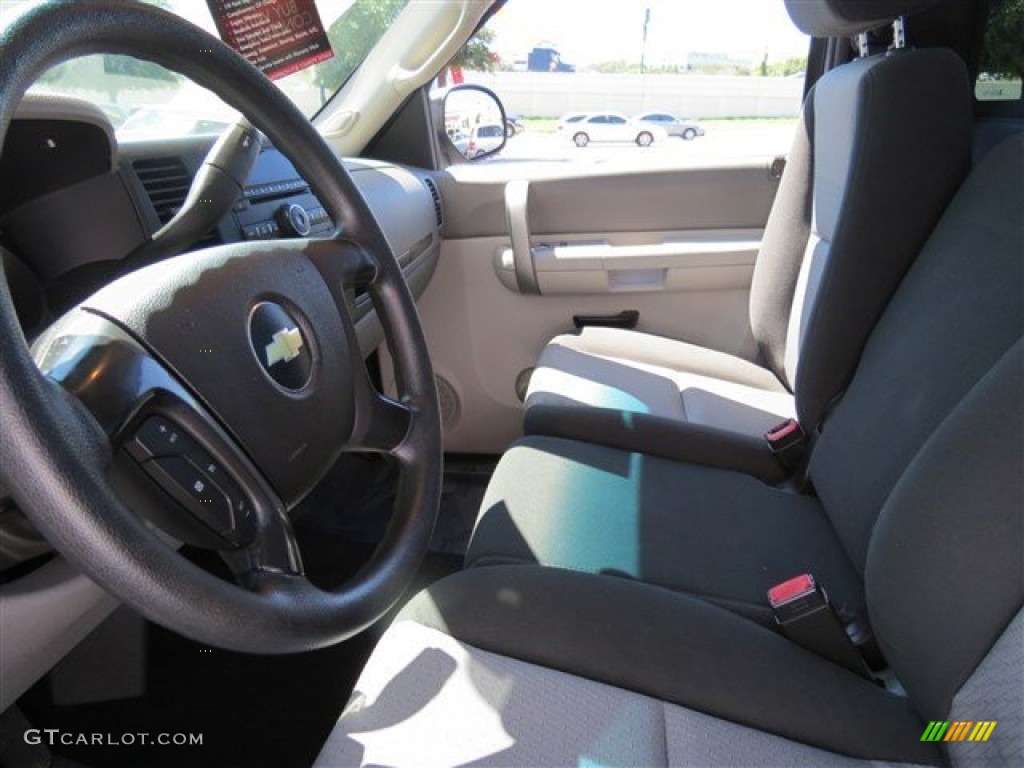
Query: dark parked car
(513, 126)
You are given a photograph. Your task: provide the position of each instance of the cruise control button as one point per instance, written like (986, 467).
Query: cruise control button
(158, 436)
(206, 464)
(194, 489)
(241, 512)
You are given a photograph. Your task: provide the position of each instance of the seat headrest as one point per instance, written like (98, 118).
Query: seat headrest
(843, 18)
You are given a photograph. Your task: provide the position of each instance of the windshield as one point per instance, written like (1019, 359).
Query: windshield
(146, 101)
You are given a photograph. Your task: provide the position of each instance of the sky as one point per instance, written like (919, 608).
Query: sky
(587, 32)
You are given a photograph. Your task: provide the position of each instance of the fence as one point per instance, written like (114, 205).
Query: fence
(552, 94)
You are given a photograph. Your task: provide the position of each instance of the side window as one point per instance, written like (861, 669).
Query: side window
(1002, 56)
(717, 81)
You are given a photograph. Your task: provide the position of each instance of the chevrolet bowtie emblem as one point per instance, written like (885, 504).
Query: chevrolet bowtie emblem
(284, 347)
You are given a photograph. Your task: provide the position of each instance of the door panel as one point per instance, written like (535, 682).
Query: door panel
(640, 262)
(601, 198)
(677, 246)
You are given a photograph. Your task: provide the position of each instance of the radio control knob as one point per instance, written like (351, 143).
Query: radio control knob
(293, 219)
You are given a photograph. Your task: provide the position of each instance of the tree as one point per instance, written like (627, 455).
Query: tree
(787, 67)
(1003, 52)
(621, 67)
(476, 54)
(126, 66)
(71, 74)
(355, 33)
(352, 36)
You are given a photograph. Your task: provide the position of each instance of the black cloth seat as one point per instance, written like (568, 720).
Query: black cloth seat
(520, 665)
(727, 537)
(710, 532)
(650, 642)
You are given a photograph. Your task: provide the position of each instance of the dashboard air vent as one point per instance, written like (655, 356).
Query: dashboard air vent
(436, 196)
(166, 181)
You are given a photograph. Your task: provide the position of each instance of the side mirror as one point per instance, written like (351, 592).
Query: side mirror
(474, 121)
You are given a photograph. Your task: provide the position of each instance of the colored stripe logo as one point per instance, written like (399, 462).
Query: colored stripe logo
(959, 730)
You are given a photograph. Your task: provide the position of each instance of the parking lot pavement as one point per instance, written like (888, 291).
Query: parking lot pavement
(724, 141)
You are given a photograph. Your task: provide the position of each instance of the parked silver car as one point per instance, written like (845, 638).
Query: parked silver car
(611, 126)
(674, 126)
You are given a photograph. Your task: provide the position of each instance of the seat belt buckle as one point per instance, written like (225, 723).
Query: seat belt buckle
(784, 436)
(787, 442)
(795, 598)
(803, 612)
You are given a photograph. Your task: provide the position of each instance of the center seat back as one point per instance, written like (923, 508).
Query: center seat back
(945, 565)
(957, 311)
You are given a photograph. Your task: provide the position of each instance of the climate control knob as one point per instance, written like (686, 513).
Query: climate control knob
(293, 219)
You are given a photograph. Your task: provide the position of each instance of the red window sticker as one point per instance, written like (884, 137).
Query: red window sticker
(280, 37)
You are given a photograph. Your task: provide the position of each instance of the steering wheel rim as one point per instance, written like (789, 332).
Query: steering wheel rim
(54, 453)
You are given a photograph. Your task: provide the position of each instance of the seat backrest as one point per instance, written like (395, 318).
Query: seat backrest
(920, 467)
(880, 135)
(945, 568)
(959, 309)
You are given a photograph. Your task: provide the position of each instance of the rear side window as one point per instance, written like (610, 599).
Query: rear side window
(1002, 57)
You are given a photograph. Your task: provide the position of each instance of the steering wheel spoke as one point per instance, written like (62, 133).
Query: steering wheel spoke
(274, 551)
(382, 425)
(160, 437)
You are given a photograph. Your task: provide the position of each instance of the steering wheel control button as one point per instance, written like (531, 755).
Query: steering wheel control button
(280, 346)
(241, 513)
(159, 437)
(294, 220)
(194, 490)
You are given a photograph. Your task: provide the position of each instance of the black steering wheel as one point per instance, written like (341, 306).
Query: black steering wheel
(200, 398)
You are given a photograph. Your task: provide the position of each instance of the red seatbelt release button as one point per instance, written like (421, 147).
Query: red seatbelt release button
(796, 598)
(798, 586)
(785, 435)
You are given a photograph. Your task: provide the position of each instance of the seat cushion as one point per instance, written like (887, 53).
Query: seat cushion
(641, 373)
(667, 398)
(715, 533)
(522, 666)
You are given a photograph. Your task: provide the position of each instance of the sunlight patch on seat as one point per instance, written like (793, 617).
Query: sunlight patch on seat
(585, 391)
(595, 521)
